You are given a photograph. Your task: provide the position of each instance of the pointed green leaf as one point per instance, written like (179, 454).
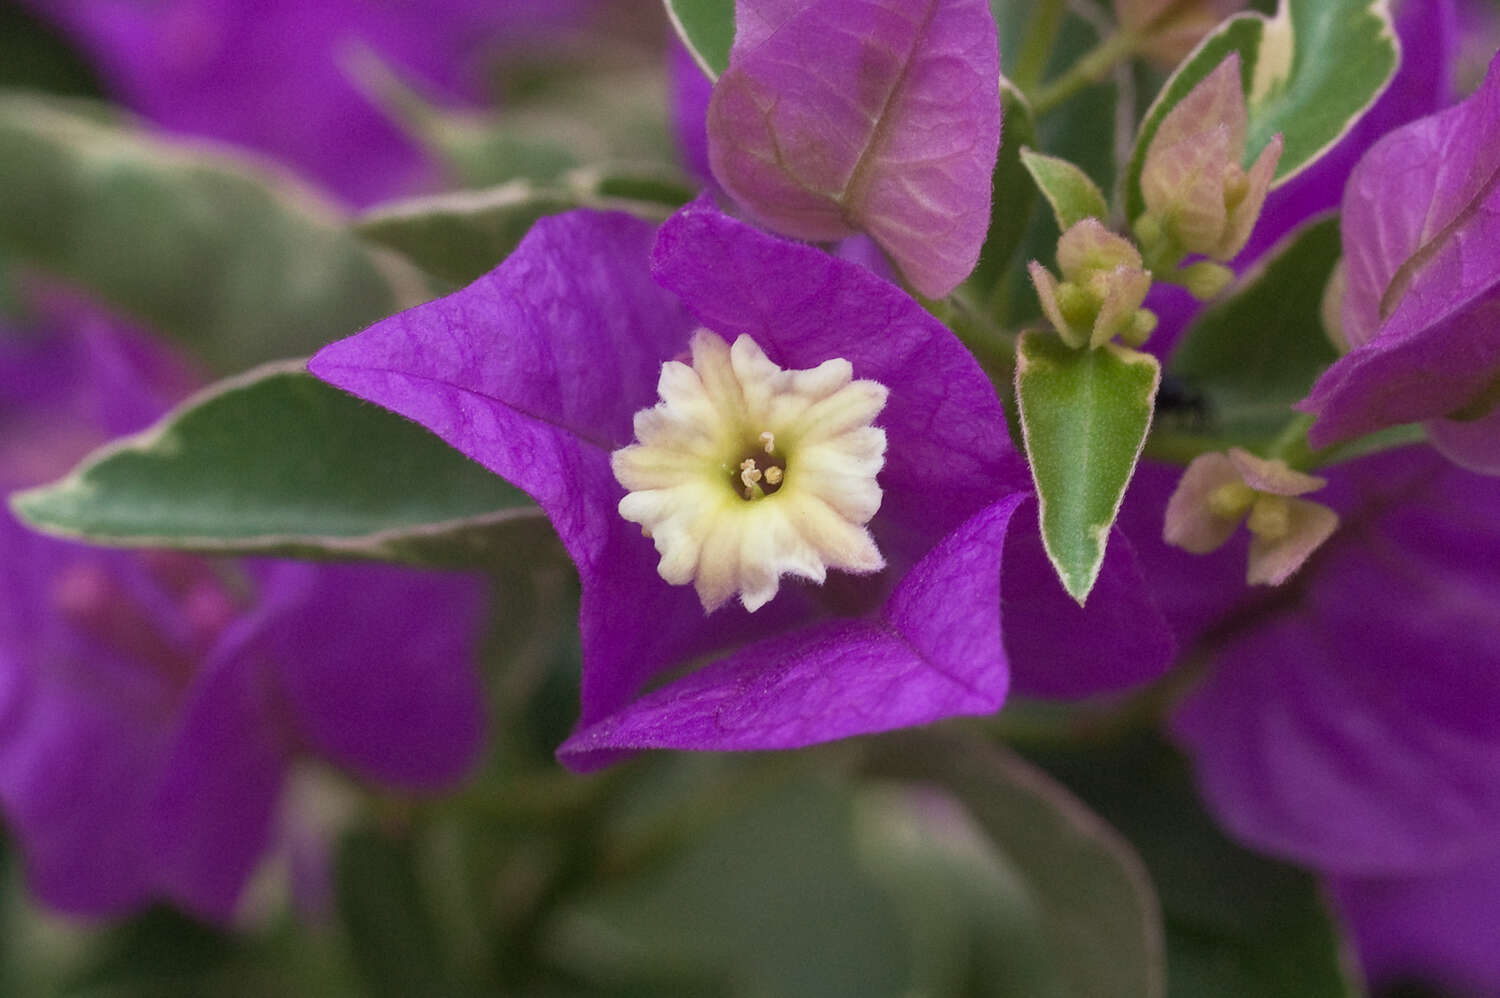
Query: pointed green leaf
(706, 27)
(461, 235)
(1084, 417)
(1238, 925)
(1090, 900)
(276, 462)
(1309, 73)
(1068, 189)
(239, 261)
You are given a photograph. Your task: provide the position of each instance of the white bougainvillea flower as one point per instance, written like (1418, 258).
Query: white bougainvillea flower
(745, 472)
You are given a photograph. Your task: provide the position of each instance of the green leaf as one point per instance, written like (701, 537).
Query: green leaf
(1084, 417)
(974, 925)
(1309, 73)
(1068, 189)
(276, 462)
(1258, 350)
(769, 899)
(1014, 195)
(462, 235)
(1238, 925)
(396, 946)
(1086, 893)
(706, 27)
(242, 263)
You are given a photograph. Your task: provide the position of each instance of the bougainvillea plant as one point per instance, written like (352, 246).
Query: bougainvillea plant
(750, 497)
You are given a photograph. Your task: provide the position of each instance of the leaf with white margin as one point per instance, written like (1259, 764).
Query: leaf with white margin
(1084, 416)
(225, 253)
(1309, 73)
(1071, 193)
(273, 461)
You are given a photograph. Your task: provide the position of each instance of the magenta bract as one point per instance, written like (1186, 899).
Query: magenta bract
(149, 712)
(536, 370)
(841, 116)
(1351, 719)
(1421, 233)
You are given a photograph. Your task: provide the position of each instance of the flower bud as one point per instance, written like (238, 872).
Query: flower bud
(1219, 490)
(1205, 279)
(1169, 29)
(1102, 289)
(1199, 198)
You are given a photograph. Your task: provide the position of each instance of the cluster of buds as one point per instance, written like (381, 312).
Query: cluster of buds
(1217, 491)
(1199, 201)
(1199, 198)
(1102, 288)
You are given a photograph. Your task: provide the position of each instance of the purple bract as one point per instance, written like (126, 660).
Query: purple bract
(880, 116)
(536, 371)
(1421, 311)
(152, 704)
(1351, 718)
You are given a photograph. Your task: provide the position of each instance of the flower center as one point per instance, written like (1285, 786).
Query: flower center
(745, 472)
(761, 470)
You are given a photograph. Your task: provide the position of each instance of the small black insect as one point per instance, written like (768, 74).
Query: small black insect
(1182, 406)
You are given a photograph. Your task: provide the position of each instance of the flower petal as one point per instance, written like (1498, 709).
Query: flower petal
(1272, 561)
(1421, 233)
(536, 370)
(1356, 726)
(1438, 928)
(948, 452)
(1189, 522)
(220, 785)
(1473, 444)
(379, 667)
(1059, 649)
(880, 116)
(933, 652)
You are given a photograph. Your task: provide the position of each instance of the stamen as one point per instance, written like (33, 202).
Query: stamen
(768, 439)
(749, 475)
(773, 475)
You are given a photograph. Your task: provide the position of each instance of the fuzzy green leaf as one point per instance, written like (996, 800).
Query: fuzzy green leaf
(1091, 903)
(1068, 189)
(276, 462)
(1084, 417)
(1238, 925)
(706, 27)
(459, 236)
(240, 262)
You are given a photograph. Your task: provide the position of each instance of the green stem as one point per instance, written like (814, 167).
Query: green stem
(1091, 68)
(994, 347)
(1036, 47)
(1290, 444)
